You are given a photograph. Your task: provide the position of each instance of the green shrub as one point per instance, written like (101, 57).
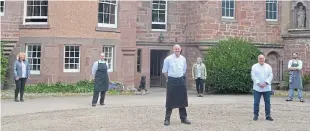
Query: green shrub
(4, 64)
(306, 79)
(229, 66)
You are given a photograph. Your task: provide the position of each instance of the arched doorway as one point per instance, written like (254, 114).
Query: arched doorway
(273, 59)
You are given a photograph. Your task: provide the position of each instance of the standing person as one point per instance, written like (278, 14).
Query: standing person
(174, 69)
(199, 73)
(100, 71)
(21, 74)
(295, 80)
(262, 76)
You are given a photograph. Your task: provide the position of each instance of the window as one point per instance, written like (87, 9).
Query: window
(139, 60)
(34, 57)
(109, 55)
(271, 10)
(72, 59)
(228, 9)
(2, 7)
(36, 11)
(107, 13)
(159, 15)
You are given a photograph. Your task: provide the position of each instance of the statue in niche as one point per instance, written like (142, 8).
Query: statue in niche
(301, 16)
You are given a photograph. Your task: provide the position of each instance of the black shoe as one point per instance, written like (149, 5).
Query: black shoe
(186, 121)
(93, 105)
(201, 95)
(301, 100)
(289, 100)
(102, 104)
(16, 100)
(198, 95)
(255, 118)
(21, 100)
(167, 123)
(269, 119)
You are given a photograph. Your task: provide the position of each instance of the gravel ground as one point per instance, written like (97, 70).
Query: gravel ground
(288, 116)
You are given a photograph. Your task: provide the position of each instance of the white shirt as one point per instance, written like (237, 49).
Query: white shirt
(24, 71)
(261, 74)
(175, 66)
(295, 62)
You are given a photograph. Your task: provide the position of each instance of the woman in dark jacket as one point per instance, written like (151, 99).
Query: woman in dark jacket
(21, 74)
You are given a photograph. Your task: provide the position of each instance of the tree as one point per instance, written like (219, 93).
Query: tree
(229, 66)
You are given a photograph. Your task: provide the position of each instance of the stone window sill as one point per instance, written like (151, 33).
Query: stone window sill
(272, 22)
(228, 20)
(34, 26)
(105, 29)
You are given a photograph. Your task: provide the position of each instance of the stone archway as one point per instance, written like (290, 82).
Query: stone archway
(273, 59)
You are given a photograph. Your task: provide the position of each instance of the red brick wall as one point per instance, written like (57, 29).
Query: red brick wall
(205, 22)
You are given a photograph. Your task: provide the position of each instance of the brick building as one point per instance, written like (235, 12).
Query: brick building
(63, 38)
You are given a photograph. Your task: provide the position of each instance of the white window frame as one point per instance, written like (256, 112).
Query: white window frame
(34, 17)
(116, 16)
(35, 72)
(160, 23)
(2, 13)
(64, 60)
(277, 11)
(111, 68)
(228, 17)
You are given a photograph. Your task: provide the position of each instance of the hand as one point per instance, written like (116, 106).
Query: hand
(260, 85)
(17, 78)
(29, 78)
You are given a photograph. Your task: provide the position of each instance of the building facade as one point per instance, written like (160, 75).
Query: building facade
(62, 39)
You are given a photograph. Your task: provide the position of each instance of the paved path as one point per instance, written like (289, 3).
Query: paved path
(212, 112)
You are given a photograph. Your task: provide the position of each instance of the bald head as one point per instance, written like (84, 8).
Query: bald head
(177, 50)
(261, 59)
(102, 56)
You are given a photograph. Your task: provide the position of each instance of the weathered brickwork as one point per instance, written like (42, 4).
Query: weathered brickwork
(190, 24)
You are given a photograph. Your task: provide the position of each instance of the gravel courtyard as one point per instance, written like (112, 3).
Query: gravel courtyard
(146, 113)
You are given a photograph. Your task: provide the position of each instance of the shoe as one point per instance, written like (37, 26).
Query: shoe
(269, 118)
(186, 121)
(167, 123)
(201, 95)
(16, 100)
(255, 118)
(102, 104)
(21, 100)
(301, 100)
(289, 100)
(198, 95)
(93, 105)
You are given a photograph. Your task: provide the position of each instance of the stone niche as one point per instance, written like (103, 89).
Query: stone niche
(300, 14)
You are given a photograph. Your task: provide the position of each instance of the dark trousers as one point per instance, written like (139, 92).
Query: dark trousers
(266, 96)
(96, 95)
(199, 85)
(20, 87)
(182, 112)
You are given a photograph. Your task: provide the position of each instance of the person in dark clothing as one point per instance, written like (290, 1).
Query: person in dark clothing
(100, 71)
(21, 74)
(174, 68)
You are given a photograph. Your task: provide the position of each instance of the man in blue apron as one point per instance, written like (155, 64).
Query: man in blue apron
(174, 69)
(295, 80)
(100, 71)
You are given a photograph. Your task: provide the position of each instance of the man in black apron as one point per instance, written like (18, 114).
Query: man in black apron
(100, 70)
(174, 69)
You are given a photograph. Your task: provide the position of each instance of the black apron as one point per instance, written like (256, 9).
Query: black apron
(176, 96)
(101, 78)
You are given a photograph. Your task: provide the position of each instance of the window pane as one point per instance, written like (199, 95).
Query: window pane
(34, 61)
(112, 9)
(106, 8)
(232, 4)
(38, 54)
(231, 13)
(66, 54)
(36, 10)
(274, 14)
(34, 54)
(155, 6)
(76, 60)
(36, 2)
(227, 12)
(162, 18)
(106, 18)
(29, 10)
(162, 2)
(43, 10)
(112, 17)
(34, 67)
(71, 66)
(223, 3)
(39, 61)
(67, 48)
(162, 7)
(29, 2)
(223, 12)
(66, 60)
(77, 48)
(100, 18)
(77, 54)
(43, 2)
(38, 67)
(158, 26)
(66, 66)
(100, 7)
